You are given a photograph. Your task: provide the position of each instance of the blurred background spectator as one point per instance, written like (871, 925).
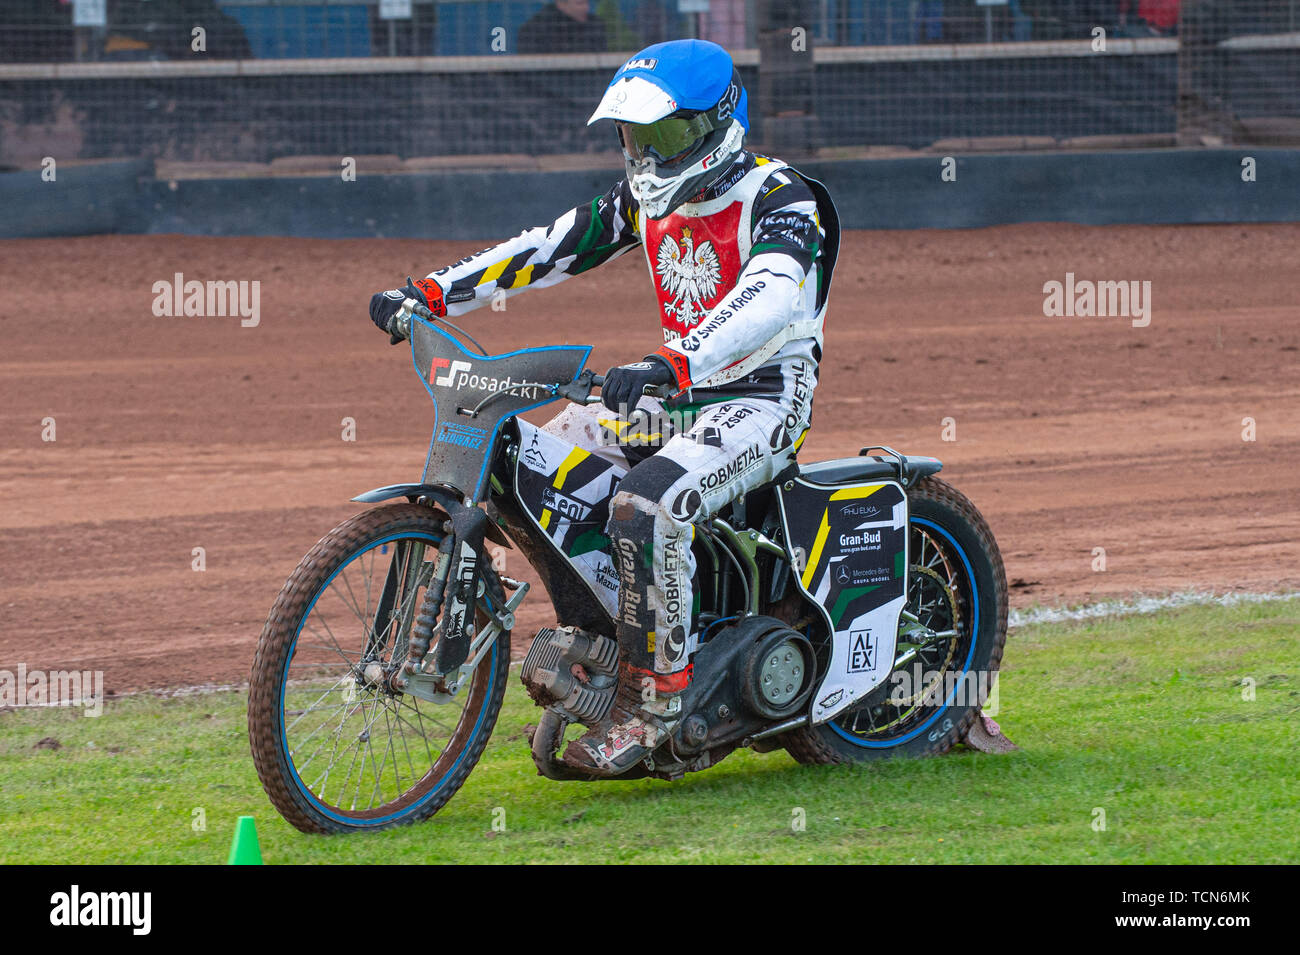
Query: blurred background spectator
(656, 21)
(724, 23)
(1160, 15)
(36, 31)
(154, 30)
(565, 26)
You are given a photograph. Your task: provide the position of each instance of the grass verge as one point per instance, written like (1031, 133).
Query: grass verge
(1152, 720)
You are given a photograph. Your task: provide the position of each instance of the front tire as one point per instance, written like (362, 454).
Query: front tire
(956, 582)
(337, 749)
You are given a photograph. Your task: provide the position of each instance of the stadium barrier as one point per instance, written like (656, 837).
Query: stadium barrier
(282, 78)
(456, 107)
(909, 192)
(907, 97)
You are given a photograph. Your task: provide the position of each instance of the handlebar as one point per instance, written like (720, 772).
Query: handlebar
(578, 390)
(650, 391)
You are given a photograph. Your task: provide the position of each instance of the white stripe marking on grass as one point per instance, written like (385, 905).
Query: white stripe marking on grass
(1140, 605)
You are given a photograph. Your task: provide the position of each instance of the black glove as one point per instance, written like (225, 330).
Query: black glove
(624, 385)
(384, 305)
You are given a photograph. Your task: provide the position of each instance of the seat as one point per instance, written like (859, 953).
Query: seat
(866, 468)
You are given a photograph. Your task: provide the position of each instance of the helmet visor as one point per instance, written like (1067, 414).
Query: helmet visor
(666, 139)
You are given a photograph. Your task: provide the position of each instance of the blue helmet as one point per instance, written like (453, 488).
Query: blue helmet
(681, 114)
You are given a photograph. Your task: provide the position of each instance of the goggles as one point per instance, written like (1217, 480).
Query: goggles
(667, 139)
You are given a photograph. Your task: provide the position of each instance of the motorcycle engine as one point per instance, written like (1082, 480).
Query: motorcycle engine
(573, 672)
(748, 676)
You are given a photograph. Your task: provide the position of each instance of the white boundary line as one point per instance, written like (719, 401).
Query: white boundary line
(1140, 605)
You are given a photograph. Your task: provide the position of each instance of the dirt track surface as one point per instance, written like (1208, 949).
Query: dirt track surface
(1071, 433)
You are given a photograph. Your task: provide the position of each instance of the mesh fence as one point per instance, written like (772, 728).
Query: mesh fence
(512, 83)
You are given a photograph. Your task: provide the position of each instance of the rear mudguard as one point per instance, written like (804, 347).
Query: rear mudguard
(903, 468)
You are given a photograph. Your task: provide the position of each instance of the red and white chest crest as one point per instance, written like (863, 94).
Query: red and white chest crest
(695, 261)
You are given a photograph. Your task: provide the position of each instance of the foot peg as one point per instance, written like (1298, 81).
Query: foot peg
(573, 672)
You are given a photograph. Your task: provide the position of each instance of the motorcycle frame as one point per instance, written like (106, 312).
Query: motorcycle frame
(732, 550)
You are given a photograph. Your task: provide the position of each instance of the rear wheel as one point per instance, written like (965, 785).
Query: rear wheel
(338, 747)
(953, 630)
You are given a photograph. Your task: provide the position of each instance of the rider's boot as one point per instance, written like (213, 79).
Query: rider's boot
(645, 710)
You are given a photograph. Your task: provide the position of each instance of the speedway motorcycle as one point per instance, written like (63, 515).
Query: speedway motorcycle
(847, 610)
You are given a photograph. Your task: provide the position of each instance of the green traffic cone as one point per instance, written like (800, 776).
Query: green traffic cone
(244, 850)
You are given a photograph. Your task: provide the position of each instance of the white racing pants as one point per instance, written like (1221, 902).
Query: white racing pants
(726, 450)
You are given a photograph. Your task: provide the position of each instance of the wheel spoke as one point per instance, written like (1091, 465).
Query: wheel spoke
(367, 737)
(361, 751)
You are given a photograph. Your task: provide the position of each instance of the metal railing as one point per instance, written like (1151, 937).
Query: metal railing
(268, 81)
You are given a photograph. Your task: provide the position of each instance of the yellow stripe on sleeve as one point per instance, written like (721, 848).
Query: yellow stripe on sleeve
(523, 276)
(494, 271)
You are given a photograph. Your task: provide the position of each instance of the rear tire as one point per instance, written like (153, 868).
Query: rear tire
(949, 532)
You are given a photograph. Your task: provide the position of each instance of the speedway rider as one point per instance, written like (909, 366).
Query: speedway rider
(741, 248)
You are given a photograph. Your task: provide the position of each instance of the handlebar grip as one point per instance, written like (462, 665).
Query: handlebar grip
(399, 326)
(400, 323)
(652, 391)
(662, 392)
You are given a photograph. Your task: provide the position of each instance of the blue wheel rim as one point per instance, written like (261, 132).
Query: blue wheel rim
(331, 812)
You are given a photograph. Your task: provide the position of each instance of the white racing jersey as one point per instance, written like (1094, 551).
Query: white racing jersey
(741, 274)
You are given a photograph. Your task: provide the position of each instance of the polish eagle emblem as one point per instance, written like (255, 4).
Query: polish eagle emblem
(690, 274)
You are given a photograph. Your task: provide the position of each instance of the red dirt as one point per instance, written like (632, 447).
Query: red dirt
(175, 433)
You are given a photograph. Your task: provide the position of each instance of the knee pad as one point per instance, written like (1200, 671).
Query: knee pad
(658, 481)
(652, 478)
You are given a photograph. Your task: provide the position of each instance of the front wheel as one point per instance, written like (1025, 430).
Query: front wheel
(954, 628)
(338, 747)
